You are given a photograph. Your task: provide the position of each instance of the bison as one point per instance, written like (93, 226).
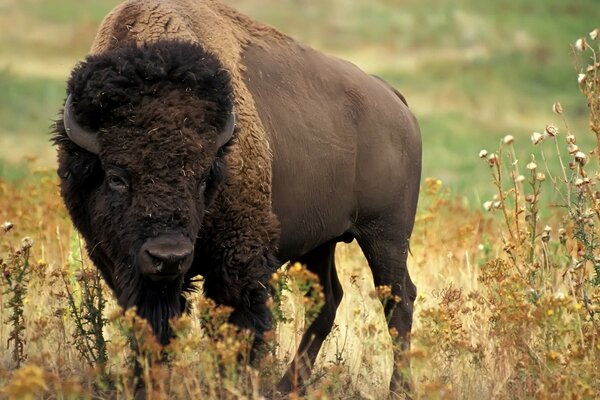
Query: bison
(195, 141)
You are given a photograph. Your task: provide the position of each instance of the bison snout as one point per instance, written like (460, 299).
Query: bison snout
(165, 257)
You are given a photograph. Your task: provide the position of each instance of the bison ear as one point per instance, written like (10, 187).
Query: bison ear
(227, 133)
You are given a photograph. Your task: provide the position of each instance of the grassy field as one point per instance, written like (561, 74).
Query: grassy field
(505, 310)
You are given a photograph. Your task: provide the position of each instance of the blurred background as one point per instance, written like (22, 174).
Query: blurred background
(471, 70)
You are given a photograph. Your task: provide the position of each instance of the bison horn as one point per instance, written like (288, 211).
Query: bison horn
(227, 132)
(76, 133)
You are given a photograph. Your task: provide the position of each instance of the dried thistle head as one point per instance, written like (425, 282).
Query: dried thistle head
(581, 44)
(557, 108)
(6, 226)
(551, 130)
(536, 137)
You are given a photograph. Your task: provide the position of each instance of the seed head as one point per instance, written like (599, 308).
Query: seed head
(6, 226)
(520, 179)
(545, 237)
(26, 243)
(581, 44)
(540, 177)
(581, 78)
(572, 148)
(487, 206)
(508, 139)
(579, 182)
(581, 158)
(595, 33)
(571, 139)
(492, 159)
(536, 137)
(530, 198)
(483, 153)
(557, 108)
(551, 130)
(531, 166)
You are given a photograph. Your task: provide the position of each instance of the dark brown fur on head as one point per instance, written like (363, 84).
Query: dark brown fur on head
(157, 111)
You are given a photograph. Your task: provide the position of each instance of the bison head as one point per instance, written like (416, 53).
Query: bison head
(141, 146)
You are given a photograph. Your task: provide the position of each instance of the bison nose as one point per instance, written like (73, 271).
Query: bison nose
(166, 257)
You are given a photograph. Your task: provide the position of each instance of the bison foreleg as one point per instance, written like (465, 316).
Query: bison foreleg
(246, 289)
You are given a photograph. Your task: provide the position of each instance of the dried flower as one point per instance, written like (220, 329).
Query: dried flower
(536, 137)
(487, 206)
(530, 198)
(551, 130)
(508, 139)
(520, 179)
(492, 159)
(578, 182)
(6, 226)
(547, 228)
(540, 177)
(497, 204)
(571, 139)
(581, 158)
(483, 153)
(581, 44)
(557, 108)
(26, 243)
(531, 166)
(581, 78)
(572, 148)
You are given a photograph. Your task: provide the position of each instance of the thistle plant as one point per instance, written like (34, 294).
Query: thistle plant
(15, 275)
(86, 304)
(588, 78)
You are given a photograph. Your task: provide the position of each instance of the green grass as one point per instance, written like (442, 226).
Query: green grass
(472, 71)
(28, 105)
(69, 11)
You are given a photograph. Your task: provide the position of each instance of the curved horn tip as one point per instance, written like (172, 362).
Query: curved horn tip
(78, 135)
(227, 132)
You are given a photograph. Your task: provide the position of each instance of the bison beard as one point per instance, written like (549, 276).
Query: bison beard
(155, 302)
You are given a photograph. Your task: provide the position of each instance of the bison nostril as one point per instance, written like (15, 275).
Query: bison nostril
(157, 264)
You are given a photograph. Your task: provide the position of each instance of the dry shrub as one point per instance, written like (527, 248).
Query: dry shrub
(530, 328)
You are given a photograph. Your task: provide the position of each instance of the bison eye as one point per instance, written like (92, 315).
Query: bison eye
(116, 183)
(202, 187)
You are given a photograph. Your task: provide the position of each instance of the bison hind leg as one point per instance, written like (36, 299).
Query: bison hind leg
(386, 246)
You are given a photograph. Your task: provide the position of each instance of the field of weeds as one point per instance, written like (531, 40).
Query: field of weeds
(509, 284)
